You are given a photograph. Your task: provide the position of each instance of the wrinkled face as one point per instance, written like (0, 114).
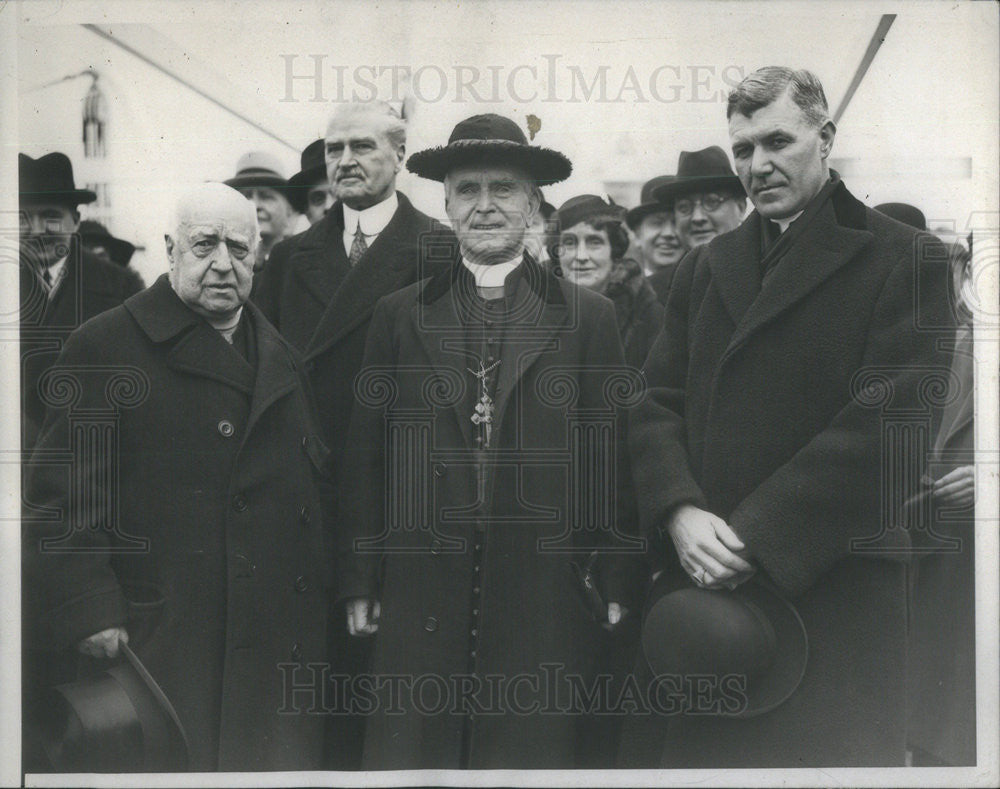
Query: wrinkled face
(657, 238)
(780, 157)
(490, 209)
(274, 212)
(701, 216)
(211, 256)
(46, 230)
(361, 161)
(585, 256)
(319, 198)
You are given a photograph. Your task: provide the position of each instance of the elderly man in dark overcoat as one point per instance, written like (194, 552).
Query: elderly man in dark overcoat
(767, 442)
(320, 287)
(179, 471)
(484, 476)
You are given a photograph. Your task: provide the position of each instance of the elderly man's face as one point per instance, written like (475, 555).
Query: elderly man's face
(46, 230)
(657, 238)
(361, 161)
(274, 212)
(490, 209)
(701, 216)
(780, 157)
(211, 255)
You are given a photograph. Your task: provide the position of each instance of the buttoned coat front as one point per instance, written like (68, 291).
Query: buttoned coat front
(545, 493)
(178, 490)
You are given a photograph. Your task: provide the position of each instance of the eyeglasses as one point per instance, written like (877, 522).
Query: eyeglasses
(685, 206)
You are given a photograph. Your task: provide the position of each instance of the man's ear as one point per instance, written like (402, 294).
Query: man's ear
(827, 132)
(76, 219)
(169, 243)
(400, 156)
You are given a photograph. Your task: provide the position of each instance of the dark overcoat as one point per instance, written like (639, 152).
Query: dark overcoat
(196, 523)
(424, 495)
(88, 287)
(661, 279)
(777, 408)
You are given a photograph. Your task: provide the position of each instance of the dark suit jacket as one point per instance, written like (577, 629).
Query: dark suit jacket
(661, 279)
(769, 406)
(322, 306)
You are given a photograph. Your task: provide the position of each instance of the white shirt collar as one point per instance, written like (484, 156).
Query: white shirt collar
(492, 276)
(373, 219)
(56, 271)
(784, 223)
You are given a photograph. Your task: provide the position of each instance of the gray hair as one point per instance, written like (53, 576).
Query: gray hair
(205, 192)
(393, 126)
(767, 84)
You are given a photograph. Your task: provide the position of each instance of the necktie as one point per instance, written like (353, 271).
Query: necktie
(358, 247)
(46, 277)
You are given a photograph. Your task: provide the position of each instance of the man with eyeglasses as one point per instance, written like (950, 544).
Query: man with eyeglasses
(706, 194)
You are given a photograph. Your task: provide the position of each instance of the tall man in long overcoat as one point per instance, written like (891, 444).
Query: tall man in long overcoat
(790, 348)
(179, 468)
(488, 406)
(319, 289)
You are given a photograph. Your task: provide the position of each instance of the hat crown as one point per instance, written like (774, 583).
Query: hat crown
(646, 195)
(314, 156)
(50, 177)
(706, 163)
(488, 127)
(905, 213)
(585, 207)
(259, 163)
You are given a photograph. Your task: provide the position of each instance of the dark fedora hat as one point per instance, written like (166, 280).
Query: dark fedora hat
(312, 165)
(751, 633)
(116, 721)
(49, 179)
(95, 234)
(490, 139)
(699, 171)
(905, 213)
(647, 203)
(258, 169)
(586, 208)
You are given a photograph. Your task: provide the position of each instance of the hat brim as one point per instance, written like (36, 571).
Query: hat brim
(70, 197)
(775, 685)
(544, 165)
(635, 215)
(299, 185)
(119, 250)
(686, 185)
(245, 181)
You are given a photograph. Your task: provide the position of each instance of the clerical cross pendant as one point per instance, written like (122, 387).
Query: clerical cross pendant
(484, 408)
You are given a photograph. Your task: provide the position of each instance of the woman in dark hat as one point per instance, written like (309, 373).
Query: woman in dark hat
(591, 253)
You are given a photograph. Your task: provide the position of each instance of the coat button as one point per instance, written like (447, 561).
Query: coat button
(296, 652)
(239, 503)
(305, 442)
(226, 428)
(431, 624)
(304, 515)
(301, 584)
(436, 547)
(440, 469)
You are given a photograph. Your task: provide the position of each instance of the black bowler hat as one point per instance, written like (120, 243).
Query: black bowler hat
(700, 171)
(312, 170)
(751, 633)
(49, 179)
(647, 203)
(94, 233)
(490, 139)
(589, 208)
(258, 169)
(116, 721)
(905, 213)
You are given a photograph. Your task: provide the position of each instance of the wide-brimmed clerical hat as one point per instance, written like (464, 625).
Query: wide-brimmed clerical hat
(700, 171)
(905, 213)
(49, 179)
(752, 636)
(312, 170)
(258, 168)
(647, 203)
(490, 140)
(116, 721)
(94, 233)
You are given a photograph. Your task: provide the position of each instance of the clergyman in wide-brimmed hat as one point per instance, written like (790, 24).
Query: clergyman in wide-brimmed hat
(462, 559)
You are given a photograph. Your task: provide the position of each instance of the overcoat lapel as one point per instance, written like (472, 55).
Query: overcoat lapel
(322, 264)
(276, 375)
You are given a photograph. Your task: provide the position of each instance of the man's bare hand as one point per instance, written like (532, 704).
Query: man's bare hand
(957, 488)
(362, 616)
(103, 644)
(709, 550)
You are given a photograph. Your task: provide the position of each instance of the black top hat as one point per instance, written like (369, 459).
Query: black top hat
(905, 213)
(752, 634)
(116, 721)
(700, 171)
(313, 170)
(94, 233)
(647, 203)
(258, 169)
(589, 208)
(490, 139)
(49, 179)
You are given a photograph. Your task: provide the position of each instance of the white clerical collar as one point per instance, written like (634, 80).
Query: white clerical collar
(784, 223)
(492, 276)
(373, 219)
(226, 326)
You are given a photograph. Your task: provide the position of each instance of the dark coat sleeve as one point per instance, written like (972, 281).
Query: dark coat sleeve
(803, 518)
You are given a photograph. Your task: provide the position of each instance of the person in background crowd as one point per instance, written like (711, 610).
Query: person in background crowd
(590, 251)
(707, 196)
(760, 448)
(101, 244)
(258, 178)
(654, 226)
(309, 189)
(320, 289)
(213, 563)
(61, 283)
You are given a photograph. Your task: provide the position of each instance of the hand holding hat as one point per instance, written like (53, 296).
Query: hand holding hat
(708, 549)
